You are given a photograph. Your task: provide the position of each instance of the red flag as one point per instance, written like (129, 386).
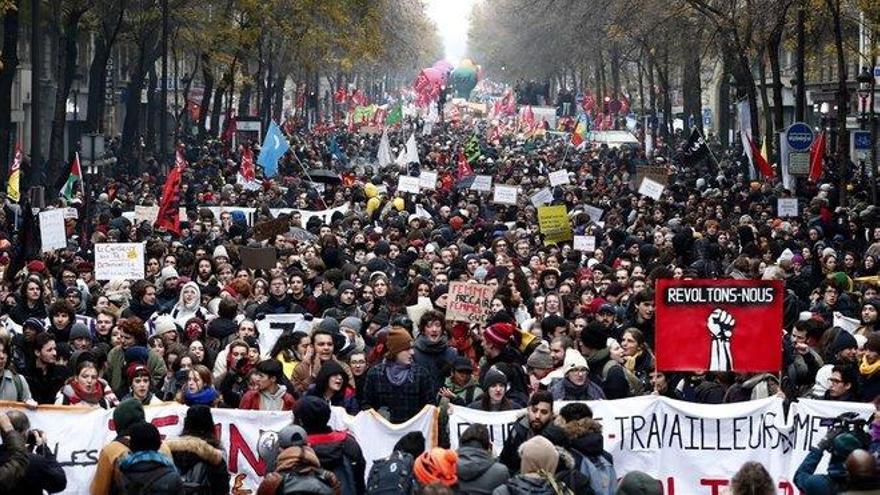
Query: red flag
(247, 164)
(231, 127)
(464, 168)
(341, 94)
(817, 158)
(169, 208)
(760, 162)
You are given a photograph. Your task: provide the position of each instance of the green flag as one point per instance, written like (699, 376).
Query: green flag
(395, 115)
(472, 149)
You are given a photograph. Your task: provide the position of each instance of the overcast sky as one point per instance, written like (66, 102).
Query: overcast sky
(452, 17)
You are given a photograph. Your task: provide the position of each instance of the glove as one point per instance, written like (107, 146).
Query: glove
(828, 441)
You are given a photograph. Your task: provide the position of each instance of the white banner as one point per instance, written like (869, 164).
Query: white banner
(691, 447)
(542, 197)
(325, 215)
(585, 243)
(52, 232)
(270, 328)
(119, 261)
(651, 188)
(77, 434)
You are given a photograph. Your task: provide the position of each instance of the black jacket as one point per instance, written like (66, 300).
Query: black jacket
(43, 473)
(147, 471)
(45, 386)
(339, 452)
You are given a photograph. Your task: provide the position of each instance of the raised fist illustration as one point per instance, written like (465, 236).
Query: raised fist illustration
(721, 325)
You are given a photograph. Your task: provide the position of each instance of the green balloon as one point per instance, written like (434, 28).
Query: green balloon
(464, 80)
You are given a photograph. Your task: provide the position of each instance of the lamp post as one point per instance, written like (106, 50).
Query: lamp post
(866, 91)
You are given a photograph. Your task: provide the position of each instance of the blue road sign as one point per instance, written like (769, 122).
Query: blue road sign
(862, 140)
(799, 136)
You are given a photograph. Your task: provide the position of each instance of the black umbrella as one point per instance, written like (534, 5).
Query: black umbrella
(325, 176)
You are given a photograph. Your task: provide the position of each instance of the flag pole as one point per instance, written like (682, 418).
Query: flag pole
(303, 167)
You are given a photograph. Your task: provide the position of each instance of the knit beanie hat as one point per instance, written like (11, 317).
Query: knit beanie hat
(537, 454)
(540, 358)
(79, 331)
(126, 414)
(352, 323)
(843, 340)
(494, 377)
(313, 413)
(397, 341)
(499, 333)
(143, 437)
(639, 483)
(35, 324)
(346, 285)
(135, 369)
(137, 354)
(329, 325)
(220, 252)
(164, 324)
(437, 466)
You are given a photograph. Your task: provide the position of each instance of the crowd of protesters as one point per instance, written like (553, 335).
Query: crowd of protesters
(373, 284)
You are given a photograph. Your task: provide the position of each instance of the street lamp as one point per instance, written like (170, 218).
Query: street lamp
(866, 90)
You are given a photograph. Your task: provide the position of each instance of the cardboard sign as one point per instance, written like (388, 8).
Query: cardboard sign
(542, 197)
(428, 180)
(719, 325)
(468, 302)
(787, 207)
(554, 224)
(71, 213)
(271, 228)
(258, 258)
(146, 214)
(119, 261)
(559, 178)
(408, 184)
(482, 183)
(585, 243)
(505, 195)
(52, 233)
(651, 189)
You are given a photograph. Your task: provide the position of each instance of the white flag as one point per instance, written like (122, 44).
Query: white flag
(384, 155)
(744, 118)
(401, 159)
(412, 151)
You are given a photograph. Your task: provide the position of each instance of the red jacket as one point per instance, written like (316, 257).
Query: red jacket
(252, 400)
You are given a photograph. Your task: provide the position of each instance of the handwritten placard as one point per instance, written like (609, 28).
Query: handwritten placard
(542, 197)
(428, 180)
(119, 261)
(559, 178)
(482, 183)
(469, 302)
(505, 195)
(651, 189)
(52, 233)
(787, 207)
(405, 183)
(585, 243)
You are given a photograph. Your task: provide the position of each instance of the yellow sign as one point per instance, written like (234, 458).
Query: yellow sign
(554, 224)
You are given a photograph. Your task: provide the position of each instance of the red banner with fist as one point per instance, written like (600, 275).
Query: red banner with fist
(719, 325)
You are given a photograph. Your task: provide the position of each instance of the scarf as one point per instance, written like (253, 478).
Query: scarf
(574, 392)
(423, 344)
(75, 393)
(868, 369)
(204, 397)
(629, 362)
(242, 370)
(398, 373)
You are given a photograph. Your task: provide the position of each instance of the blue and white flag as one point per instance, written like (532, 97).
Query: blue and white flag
(274, 146)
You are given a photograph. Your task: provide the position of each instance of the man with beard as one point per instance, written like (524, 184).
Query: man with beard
(205, 274)
(346, 304)
(538, 416)
(299, 295)
(279, 301)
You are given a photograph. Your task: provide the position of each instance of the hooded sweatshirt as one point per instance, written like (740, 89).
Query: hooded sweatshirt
(182, 312)
(478, 472)
(264, 400)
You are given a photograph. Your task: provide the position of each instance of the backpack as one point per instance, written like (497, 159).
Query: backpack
(600, 470)
(19, 387)
(196, 480)
(391, 476)
(305, 484)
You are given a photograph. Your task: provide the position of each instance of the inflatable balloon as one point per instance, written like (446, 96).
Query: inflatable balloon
(463, 80)
(427, 85)
(372, 205)
(467, 64)
(371, 190)
(398, 204)
(443, 66)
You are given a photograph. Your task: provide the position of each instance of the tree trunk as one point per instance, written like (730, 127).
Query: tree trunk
(776, 75)
(692, 98)
(615, 70)
(153, 111)
(217, 108)
(278, 91)
(146, 57)
(603, 89)
(842, 99)
(67, 54)
(800, 94)
(97, 84)
(641, 71)
(765, 104)
(9, 59)
(208, 79)
(723, 116)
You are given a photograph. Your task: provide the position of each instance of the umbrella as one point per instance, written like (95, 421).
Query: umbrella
(325, 176)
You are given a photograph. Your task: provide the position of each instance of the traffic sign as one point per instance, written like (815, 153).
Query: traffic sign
(799, 136)
(859, 145)
(799, 163)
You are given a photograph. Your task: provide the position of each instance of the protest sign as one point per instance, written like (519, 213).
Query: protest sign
(146, 214)
(505, 195)
(77, 435)
(585, 243)
(554, 224)
(651, 188)
(218, 211)
(52, 232)
(787, 207)
(326, 216)
(719, 325)
(405, 183)
(469, 302)
(270, 328)
(542, 197)
(258, 257)
(845, 322)
(119, 261)
(594, 213)
(559, 178)
(71, 213)
(482, 183)
(270, 228)
(428, 180)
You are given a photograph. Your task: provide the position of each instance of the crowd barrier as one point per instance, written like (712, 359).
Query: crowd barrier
(694, 449)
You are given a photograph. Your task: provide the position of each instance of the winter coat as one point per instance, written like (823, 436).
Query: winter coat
(13, 387)
(340, 453)
(188, 451)
(564, 389)
(403, 401)
(257, 400)
(150, 470)
(298, 461)
(519, 433)
(43, 473)
(115, 373)
(436, 357)
(13, 461)
(525, 485)
(478, 472)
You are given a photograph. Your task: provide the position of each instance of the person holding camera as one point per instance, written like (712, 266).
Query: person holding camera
(845, 435)
(43, 473)
(13, 456)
